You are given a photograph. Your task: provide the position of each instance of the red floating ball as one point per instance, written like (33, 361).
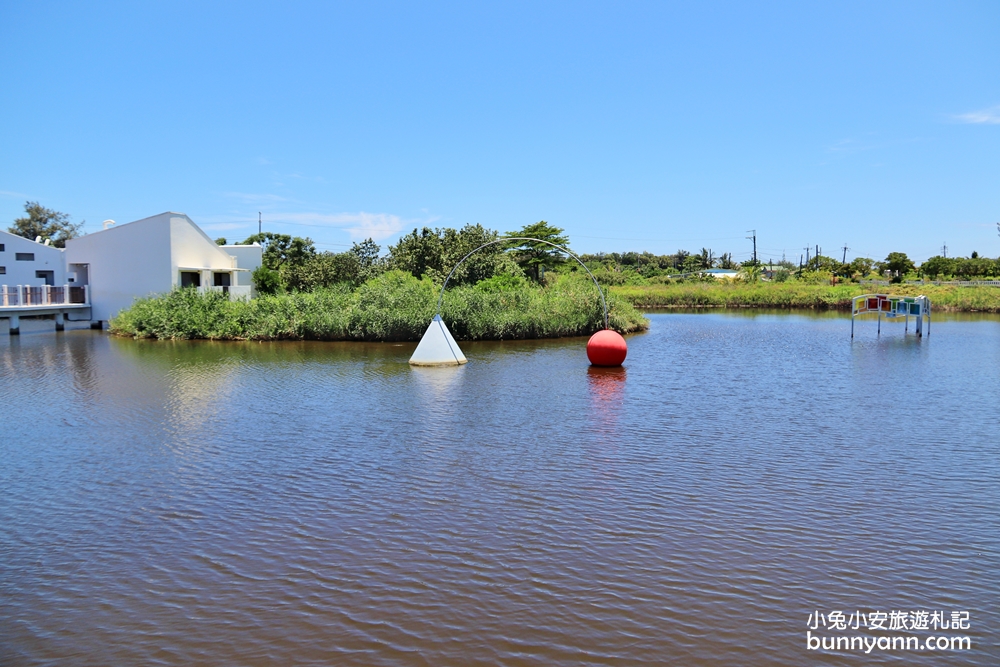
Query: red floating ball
(606, 348)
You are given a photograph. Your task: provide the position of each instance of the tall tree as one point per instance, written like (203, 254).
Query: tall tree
(282, 249)
(435, 252)
(46, 223)
(898, 264)
(534, 257)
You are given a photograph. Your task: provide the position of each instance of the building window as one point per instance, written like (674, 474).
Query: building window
(1, 247)
(24, 256)
(3, 270)
(190, 279)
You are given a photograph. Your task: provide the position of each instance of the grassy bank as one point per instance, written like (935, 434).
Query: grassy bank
(392, 307)
(798, 295)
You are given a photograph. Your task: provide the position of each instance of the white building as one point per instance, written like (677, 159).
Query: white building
(25, 262)
(153, 256)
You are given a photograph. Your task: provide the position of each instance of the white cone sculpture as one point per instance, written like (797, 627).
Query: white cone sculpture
(437, 347)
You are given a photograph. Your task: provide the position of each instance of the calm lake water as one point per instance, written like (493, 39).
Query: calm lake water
(198, 503)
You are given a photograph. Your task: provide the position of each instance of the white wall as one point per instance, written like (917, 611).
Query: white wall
(247, 257)
(126, 261)
(47, 258)
(191, 247)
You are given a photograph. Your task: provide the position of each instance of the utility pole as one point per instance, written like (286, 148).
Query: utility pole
(817, 250)
(753, 235)
(800, 262)
(807, 254)
(844, 261)
(944, 250)
(258, 223)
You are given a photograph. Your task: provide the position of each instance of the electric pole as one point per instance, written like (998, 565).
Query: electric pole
(944, 250)
(807, 254)
(258, 223)
(844, 261)
(817, 251)
(753, 235)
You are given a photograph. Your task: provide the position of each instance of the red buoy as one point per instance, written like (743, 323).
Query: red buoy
(606, 348)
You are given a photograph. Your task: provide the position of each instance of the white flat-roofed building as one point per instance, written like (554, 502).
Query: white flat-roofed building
(153, 256)
(27, 262)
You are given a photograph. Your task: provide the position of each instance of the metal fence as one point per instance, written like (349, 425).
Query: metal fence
(25, 296)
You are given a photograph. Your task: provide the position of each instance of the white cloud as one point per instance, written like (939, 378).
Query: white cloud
(14, 195)
(360, 225)
(989, 116)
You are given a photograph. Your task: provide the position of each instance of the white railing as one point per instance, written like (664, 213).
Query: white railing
(965, 283)
(34, 296)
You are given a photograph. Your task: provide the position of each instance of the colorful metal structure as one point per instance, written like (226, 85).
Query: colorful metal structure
(893, 308)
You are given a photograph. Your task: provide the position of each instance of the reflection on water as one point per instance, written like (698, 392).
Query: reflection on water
(325, 503)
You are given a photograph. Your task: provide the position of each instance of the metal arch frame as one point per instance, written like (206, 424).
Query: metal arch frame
(525, 238)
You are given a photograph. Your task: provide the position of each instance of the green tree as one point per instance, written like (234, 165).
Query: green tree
(267, 281)
(679, 257)
(938, 266)
(435, 252)
(534, 257)
(370, 264)
(220, 241)
(750, 272)
(46, 223)
(692, 264)
(281, 249)
(726, 261)
(898, 264)
(861, 266)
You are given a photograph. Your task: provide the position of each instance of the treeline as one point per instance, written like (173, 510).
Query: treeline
(293, 263)
(621, 268)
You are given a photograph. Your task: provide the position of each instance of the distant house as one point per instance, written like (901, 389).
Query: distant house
(153, 256)
(27, 262)
(724, 274)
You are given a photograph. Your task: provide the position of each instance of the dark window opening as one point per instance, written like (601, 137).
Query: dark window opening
(24, 256)
(3, 270)
(221, 279)
(1, 247)
(190, 279)
(48, 276)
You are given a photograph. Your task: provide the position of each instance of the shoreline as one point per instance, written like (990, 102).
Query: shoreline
(799, 296)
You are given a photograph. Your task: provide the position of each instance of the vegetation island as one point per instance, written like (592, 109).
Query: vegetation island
(519, 289)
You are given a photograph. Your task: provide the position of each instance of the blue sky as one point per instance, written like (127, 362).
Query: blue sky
(633, 125)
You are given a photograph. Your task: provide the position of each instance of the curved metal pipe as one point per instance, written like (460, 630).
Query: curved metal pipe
(526, 238)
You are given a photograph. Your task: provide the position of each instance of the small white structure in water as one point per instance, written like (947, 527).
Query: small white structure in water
(437, 347)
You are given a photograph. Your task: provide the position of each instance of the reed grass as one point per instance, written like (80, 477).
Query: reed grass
(793, 294)
(392, 307)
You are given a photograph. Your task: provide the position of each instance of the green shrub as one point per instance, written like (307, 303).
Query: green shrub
(392, 307)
